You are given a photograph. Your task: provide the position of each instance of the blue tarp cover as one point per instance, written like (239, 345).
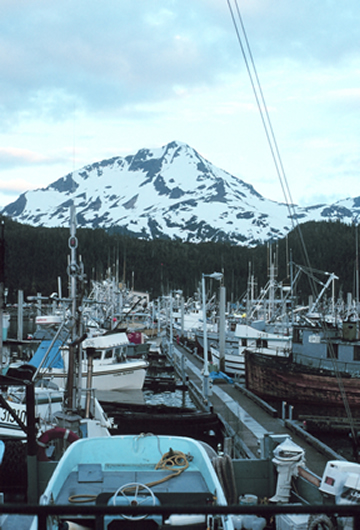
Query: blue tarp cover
(54, 359)
(220, 375)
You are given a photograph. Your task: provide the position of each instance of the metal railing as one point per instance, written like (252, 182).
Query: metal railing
(98, 513)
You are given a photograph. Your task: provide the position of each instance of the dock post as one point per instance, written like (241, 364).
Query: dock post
(222, 329)
(32, 463)
(20, 322)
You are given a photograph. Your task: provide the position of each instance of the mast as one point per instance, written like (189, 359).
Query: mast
(75, 272)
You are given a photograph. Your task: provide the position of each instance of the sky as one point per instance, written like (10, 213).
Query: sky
(86, 80)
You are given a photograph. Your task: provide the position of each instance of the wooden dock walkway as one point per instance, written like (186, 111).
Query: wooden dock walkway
(246, 417)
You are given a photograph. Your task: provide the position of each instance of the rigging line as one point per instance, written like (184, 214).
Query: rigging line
(288, 196)
(260, 100)
(280, 171)
(256, 95)
(269, 133)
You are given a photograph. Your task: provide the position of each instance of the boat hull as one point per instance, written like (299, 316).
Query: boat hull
(276, 378)
(129, 418)
(47, 404)
(124, 376)
(234, 362)
(143, 469)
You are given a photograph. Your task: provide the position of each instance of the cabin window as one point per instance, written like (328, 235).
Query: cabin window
(108, 354)
(244, 342)
(261, 343)
(298, 336)
(356, 353)
(97, 354)
(332, 351)
(119, 354)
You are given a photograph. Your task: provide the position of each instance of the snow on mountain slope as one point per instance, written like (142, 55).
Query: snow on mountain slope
(170, 192)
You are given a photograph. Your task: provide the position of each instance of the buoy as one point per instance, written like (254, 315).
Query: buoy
(57, 433)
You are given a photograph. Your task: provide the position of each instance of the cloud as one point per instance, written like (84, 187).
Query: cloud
(59, 56)
(107, 54)
(15, 187)
(13, 157)
(112, 77)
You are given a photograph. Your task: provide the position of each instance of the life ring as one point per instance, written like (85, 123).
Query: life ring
(57, 433)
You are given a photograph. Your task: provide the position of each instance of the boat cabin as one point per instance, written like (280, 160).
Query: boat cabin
(320, 345)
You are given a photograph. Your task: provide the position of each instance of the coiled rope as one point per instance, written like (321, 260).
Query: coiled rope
(225, 471)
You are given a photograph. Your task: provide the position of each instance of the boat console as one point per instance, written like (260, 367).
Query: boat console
(341, 482)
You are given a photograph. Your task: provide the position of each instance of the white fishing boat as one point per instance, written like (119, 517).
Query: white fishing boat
(49, 400)
(139, 471)
(107, 354)
(50, 409)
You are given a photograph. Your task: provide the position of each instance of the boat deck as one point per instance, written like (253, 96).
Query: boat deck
(91, 480)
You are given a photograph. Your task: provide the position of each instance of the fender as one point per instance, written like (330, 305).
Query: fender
(57, 433)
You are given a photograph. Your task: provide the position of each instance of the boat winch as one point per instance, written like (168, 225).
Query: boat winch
(288, 456)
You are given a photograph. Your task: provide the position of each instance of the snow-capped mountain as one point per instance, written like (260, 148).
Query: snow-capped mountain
(171, 192)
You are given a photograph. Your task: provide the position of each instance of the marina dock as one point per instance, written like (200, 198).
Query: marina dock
(246, 417)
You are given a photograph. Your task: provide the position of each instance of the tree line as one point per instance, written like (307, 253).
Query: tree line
(34, 258)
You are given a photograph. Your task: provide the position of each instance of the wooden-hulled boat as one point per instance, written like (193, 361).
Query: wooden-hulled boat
(322, 370)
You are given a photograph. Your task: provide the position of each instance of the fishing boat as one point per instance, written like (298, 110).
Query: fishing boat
(49, 400)
(139, 471)
(249, 337)
(157, 482)
(135, 418)
(111, 369)
(321, 371)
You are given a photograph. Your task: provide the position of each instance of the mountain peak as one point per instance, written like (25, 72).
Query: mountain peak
(167, 192)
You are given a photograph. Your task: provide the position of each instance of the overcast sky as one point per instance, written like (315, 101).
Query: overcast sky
(85, 80)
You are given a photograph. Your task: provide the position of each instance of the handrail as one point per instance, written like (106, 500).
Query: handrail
(99, 511)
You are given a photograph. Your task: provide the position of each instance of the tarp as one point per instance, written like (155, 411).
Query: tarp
(218, 377)
(54, 358)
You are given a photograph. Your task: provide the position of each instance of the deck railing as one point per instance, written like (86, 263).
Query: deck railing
(98, 513)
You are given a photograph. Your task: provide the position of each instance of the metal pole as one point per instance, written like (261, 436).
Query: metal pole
(90, 352)
(182, 315)
(32, 464)
(20, 320)
(171, 345)
(222, 329)
(206, 363)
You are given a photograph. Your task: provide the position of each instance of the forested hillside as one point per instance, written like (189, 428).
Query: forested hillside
(35, 257)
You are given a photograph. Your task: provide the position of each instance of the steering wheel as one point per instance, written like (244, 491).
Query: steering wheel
(136, 499)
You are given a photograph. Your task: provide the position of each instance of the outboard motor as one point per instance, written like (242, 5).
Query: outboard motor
(340, 484)
(288, 456)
